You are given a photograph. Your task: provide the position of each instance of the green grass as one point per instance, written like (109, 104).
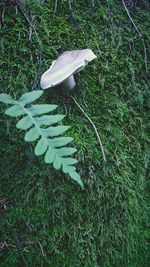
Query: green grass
(46, 219)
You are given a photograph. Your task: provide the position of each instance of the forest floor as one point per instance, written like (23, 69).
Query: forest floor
(46, 218)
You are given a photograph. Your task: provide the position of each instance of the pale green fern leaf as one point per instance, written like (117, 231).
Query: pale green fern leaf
(15, 111)
(41, 109)
(7, 99)
(39, 127)
(25, 123)
(29, 98)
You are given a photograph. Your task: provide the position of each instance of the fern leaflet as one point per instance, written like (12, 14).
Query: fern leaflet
(39, 128)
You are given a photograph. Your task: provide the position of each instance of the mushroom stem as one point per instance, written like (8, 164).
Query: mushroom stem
(69, 84)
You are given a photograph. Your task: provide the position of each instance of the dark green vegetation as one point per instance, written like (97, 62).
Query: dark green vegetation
(46, 219)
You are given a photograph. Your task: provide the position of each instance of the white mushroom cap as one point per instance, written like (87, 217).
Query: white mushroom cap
(67, 64)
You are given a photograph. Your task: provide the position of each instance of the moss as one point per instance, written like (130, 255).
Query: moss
(47, 220)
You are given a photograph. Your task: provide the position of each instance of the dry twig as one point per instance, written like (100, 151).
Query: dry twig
(140, 35)
(39, 54)
(55, 8)
(74, 19)
(93, 125)
(42, 250)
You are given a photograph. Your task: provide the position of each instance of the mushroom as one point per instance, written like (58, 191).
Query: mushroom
(64, 67)
(62, 72)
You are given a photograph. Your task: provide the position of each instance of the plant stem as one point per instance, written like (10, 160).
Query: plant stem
(93, 125)
(140, 35)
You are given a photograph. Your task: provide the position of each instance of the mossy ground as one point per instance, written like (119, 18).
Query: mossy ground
(46, 219)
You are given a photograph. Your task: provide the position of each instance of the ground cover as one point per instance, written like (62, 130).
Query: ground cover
(46, 219)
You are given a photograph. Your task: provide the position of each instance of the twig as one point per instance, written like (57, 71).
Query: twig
(18, 246)
(2, 15)
(66, 111)
(39, 55)
(140, 35)
(23, 11)
(41, 248)
(55, 8)
(93, 125)
(72, 14)
(4, 244)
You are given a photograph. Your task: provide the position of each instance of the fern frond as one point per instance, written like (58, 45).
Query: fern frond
(39, 127)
